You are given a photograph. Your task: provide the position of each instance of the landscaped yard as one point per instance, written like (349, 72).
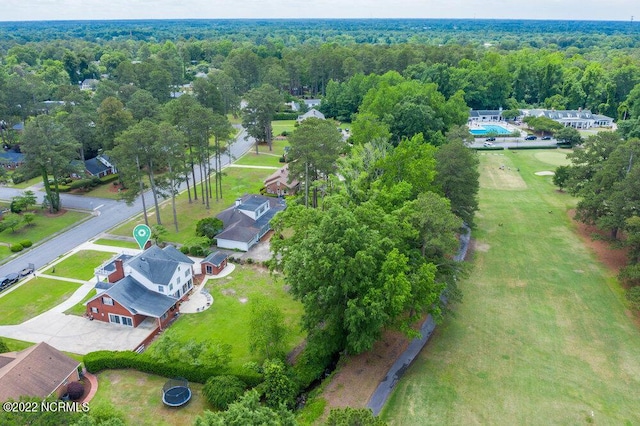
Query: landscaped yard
(235, 183)
(139, 397)
(263, 159)
(80, 265)
(42, 227)
(117, 243)
(227, 319)
(542, 336)
(32, 298)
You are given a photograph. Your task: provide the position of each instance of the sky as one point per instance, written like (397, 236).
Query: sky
(39, 10)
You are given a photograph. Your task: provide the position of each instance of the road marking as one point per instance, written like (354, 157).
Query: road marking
(101, 205)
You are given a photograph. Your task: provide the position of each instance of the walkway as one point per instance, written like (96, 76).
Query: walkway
(382, 392)
(200, 300)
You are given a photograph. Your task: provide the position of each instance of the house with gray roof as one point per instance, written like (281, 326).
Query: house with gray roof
(247, 221)
(99, 166)
(38, 371)
(309, 114)
(149, 285)
(578, 119)
(485, 115)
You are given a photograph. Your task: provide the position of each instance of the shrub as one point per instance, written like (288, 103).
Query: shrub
(282, 159)
(285, 116)
(109, 178)
(184, 250)
(221, 391)
(26, 243)
(75, 390)
(105, 360)
(209, 227)
(16, 247)
(633, 296)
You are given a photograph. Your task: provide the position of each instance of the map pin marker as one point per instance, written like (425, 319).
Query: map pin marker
(142, 233)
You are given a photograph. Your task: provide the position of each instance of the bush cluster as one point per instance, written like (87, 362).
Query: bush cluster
(16, 247)
(26, 243)
(105, 360)
(222, 390)
(285, 116)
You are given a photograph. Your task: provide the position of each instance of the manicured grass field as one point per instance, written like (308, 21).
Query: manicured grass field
(139, 397)
(33, 298)
(280, 126)
(542, 336)
(43, 226)
(227, 320)
(262, 159)
(116, 243)
(80, 265)
(235, 183)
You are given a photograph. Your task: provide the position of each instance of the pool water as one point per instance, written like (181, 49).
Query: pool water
(489, 128)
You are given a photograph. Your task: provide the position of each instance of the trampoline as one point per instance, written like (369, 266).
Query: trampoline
(176, 392)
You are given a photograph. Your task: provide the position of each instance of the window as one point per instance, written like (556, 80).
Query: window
(114, 318)
(178, 280)
(94, 310)
(107, 301)
(171, 285)
(164, 316)
(185, 288)
(186, 273)
(127, 321)
(161, 288)
(118, 319)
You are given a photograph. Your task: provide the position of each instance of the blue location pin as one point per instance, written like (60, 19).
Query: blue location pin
(142, 233)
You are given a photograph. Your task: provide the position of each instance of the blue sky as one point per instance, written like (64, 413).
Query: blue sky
(35, 10)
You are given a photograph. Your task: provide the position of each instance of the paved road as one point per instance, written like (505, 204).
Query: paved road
(105, 215)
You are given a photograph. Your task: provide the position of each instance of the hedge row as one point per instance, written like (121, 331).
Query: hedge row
(285, 116)
(106, 360)
(533, 147)
(489, 148)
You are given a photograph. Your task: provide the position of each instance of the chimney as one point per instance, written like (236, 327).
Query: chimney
(116, 276)
(238, 201)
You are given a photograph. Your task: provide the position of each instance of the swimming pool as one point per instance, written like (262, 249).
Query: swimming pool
(489, 128)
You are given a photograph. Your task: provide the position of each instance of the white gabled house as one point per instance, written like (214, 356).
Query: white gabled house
(247, 221)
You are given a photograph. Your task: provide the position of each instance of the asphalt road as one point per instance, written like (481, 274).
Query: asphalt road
(106, 214)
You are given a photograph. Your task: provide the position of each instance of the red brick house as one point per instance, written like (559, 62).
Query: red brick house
(214, 263)
(39, 371)
(278, 183)
(149, 285)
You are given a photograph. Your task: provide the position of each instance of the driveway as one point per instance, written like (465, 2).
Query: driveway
(76, 334)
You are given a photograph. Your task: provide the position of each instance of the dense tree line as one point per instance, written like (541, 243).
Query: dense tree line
(605, 175)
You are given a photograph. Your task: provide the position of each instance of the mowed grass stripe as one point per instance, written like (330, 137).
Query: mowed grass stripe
(541, 337)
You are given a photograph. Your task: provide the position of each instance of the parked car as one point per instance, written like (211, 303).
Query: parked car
(4, 283)
(488, 144)
(490, 139)
(13, 278)
(531, 138)
(546, 138)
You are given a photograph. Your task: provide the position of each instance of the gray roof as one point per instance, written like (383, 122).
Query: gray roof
(216, 258)
(158, 265)
(484, 112)
(137, 298)
(240, 227)
(11, 157)
(111, 266)
(97, 165)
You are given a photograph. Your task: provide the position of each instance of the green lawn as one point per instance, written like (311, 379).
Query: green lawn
(27, 183)
(227, 319)
(104, 191)
(235, 183)
(80, 265)
(33, 298)
(139, 397)
(262, 159)
(542, 336)
(80, 309)
(280, 126)
(116, 243)
(43, 226)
